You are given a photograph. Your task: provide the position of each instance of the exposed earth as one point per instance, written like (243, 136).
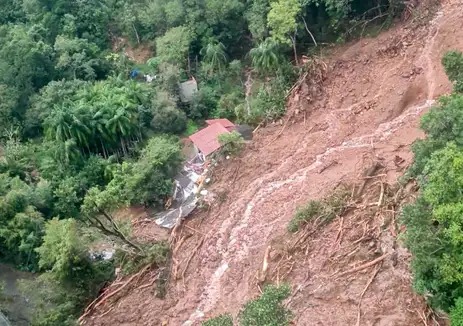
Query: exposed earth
(368, 112)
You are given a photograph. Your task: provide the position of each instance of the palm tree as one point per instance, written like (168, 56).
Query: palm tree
(215, 56)
(58, 124)
(70, 151)
(122, 125)
(100, 131)
(265, 57)
(80, 126)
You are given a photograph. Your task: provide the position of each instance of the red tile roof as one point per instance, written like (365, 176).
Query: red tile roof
(206, 139)
(224, 122)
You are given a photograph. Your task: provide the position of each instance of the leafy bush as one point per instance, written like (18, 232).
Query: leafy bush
(267, 104)
(227, 104)
(456, 313)
(223, 320)
(267, 310)
(155, 254)
(442, 124)
(173, 46)
(169, 120)
(204, 102)
(21, 226)
(149, 179)
(232, 143)
(266, 57)
(304, 214)
(324, 211)
(191, 127)
(65, 254)
(170, 78)
(453, 64)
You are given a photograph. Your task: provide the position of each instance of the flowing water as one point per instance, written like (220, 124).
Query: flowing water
(15, 307)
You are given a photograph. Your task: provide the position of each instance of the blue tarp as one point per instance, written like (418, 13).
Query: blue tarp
(134, 73)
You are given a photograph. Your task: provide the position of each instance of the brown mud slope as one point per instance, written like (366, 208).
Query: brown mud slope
(374, 93)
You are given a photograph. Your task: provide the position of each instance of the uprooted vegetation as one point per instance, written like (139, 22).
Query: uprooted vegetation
(358, 245)
(266, 310)
(321, 212)
(231, 143)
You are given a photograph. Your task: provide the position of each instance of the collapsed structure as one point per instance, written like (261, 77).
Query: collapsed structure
(188, 182)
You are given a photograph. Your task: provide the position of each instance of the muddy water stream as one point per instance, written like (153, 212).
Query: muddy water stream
(14, 306)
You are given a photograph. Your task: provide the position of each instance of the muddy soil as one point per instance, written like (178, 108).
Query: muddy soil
(374, 94)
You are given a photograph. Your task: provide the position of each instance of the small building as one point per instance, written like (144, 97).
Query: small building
(188, 90)
(230, 126)
(245, 131)
(206, 140)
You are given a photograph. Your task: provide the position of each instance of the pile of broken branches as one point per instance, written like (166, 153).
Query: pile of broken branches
(365, 227)
(114, 291)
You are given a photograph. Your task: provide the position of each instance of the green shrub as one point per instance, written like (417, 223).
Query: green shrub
(269, 103)
(222, 320)
(149, 180)
(227, 104)
(204, 102)
(155, 254)
(232, 143)
(324, 211)
(304, 214)
(169, 120)
(170, 78)
(443, 123)
(164, 114)
(453, 64)
(456, 313)
(191, 127)
(434, 226)
(267, 310)
(70, 278)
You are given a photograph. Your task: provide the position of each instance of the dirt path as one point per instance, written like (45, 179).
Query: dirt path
(375, 92)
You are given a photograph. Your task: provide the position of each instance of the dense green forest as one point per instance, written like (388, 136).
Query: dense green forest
(434, 222)
(80, 138)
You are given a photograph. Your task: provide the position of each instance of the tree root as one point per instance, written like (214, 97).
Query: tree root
(105, 296)
(362, 267)
(363, 293)
(191, 257)
(263, 273)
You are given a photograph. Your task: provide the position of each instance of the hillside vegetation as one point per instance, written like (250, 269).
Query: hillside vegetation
(80, 138)
(434, 222)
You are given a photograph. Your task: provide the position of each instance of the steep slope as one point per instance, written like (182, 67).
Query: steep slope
(374, 93)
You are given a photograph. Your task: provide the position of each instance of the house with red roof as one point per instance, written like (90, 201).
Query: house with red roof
(206, 140)
(230, 126)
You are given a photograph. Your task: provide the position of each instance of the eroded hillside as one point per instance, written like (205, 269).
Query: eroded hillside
(368, 112)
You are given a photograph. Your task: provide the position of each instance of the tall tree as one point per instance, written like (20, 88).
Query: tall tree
(282, 21)
(215, 57)
(256, 16)
(174, 45)
(79, 59)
